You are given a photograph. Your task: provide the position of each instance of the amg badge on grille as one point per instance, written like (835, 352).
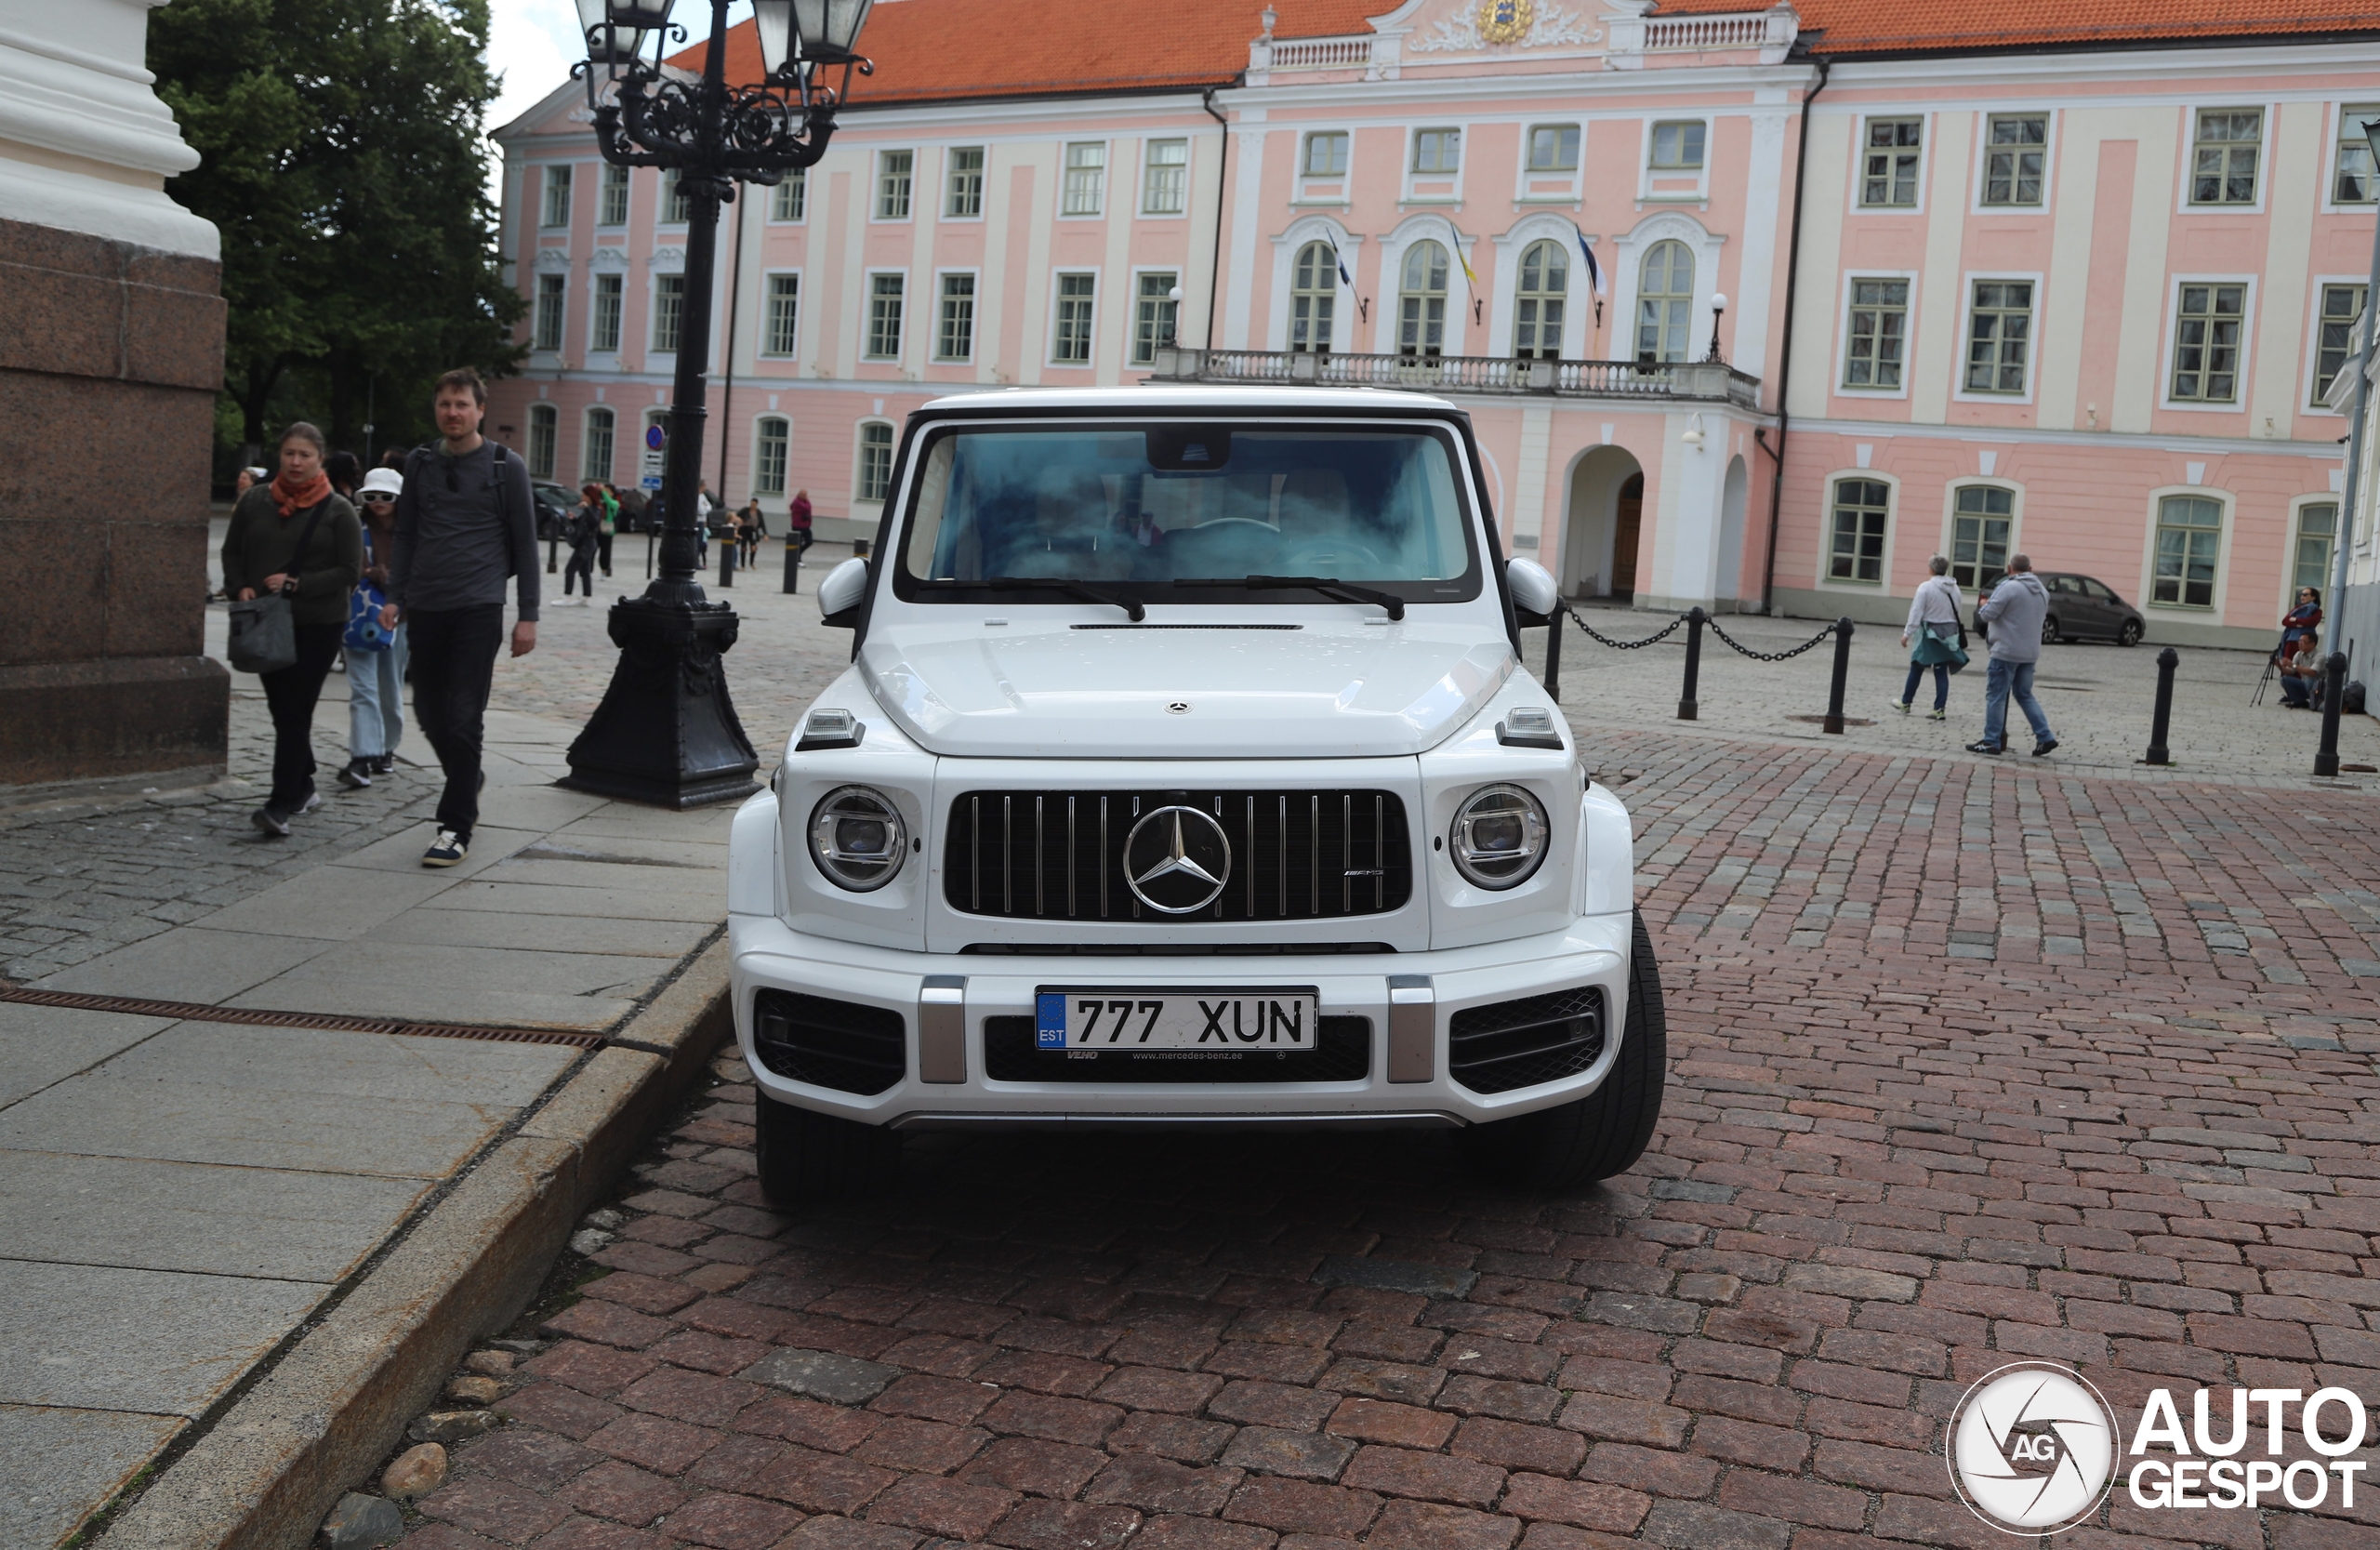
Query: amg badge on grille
(1177, 860)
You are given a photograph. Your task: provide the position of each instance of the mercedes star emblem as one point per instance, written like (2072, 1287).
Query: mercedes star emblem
(1176, 860)
(1178, 708)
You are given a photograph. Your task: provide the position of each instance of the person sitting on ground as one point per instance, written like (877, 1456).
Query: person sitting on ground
(2301, 675)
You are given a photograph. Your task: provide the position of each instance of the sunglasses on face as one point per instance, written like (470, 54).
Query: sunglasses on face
(379, 497)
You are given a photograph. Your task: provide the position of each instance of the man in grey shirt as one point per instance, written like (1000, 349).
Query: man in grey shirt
(465, 522)
(2013, 615)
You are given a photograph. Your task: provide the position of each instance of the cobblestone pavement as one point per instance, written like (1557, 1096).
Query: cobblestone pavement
(1969, 1064)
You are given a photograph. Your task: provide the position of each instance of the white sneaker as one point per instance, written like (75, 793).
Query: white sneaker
(446, 850)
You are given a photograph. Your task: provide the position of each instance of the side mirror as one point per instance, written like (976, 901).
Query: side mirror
(841, 594)
(1535, 593)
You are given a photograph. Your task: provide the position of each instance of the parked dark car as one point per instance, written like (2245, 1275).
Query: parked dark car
(555, 503)
(2084, 608)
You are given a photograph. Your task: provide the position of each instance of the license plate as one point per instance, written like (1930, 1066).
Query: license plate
(1108, 1018)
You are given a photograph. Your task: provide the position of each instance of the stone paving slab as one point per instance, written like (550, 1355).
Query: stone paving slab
(150, 1342)
(340, 1062)
(40, 1046)
(66, 1459)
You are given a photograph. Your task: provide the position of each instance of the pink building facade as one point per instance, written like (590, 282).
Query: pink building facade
(2086, 302)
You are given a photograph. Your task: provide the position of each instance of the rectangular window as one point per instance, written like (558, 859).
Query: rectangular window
(2223, 167)
(1437, 150)
(2341, 306)
(1553, 148)
(677, 204)
(954, 335)
(1678, 147)
(875, 460)
(557, 211)
(1070, 343)
(1888, 163)
(2016, 150)
(1086, 177)
(770, 447)
(604, 337)
(544, 424)
(1979, 524)
(892, 178)
(2353, 183)
(1878, 342)
(668, 309)
(964, 199)
(2318, 529)
(2000, 336)
(549, 300)
(884, 295)
(2206, 344)
(1152, 318)
(595, 464)
(1165, 179)
(1326, 154)
(781, 326)
(613, 211)
(790, 199)
(2190, 542)
(1861, 509)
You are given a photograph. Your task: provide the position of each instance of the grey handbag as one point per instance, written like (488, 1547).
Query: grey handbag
(264, 634)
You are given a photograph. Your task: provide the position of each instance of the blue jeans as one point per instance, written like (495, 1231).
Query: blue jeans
(375, 699)
(2001, 679)
(1941, 683)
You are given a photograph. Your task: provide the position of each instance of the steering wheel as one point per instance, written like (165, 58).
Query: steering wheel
(1336, 550)
(1234, 521)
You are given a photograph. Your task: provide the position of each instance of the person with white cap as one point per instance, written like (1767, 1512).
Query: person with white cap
(375, 677)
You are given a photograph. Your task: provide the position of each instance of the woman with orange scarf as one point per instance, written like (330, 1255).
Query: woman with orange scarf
(262, 554)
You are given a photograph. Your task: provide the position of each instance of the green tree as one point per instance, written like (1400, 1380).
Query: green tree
(342, 158)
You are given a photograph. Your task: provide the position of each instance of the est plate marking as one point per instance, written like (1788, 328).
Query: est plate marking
(1112, 1017)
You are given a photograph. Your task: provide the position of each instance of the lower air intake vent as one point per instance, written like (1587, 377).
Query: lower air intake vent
(1511, 1044)
(1342, 1053)
(844, 1045)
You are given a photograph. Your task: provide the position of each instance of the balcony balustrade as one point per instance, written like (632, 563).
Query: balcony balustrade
(1674, 381)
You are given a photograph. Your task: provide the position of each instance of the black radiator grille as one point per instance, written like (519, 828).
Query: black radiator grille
(1295, 855)
(845, 1046)
(1342, 1052)
(1512, 1044)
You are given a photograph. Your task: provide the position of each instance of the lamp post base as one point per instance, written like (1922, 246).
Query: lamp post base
(666, 733)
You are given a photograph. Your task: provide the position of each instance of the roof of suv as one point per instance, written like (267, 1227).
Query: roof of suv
(1196, 399)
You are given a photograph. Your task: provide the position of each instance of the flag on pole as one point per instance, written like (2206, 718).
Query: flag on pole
(1348, 279)
(1594, 270)
(1473, 279)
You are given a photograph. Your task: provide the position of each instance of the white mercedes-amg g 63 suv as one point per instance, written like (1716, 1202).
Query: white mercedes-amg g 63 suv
(1186, 774)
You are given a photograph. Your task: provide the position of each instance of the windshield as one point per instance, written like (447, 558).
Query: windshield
(1136, 508)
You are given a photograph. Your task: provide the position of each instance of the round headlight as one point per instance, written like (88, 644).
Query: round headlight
(1498, 837)
(857, 838)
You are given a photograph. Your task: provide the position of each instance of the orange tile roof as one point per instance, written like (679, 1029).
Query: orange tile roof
(946, 50)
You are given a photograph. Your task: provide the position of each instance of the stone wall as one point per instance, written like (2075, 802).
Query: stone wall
(110, 358)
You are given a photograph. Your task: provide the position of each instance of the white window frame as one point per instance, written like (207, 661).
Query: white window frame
(548, 182)
(2316, 284)
(879, 172)
(2339, 109)
(976, 321)
(1573, 178)
(627, 196)
(560, 280)
(2172, 319)
(1304, 184)
(587, 443)
(2226, 547)
(1632, 245)
(661, 201)
(1300, 231)
(1645, 172)
(2264, 158)
(760, 344)
(1927, 129)
(1148, 182)
(859, 460)
(799, 177)
(1967, 282)
(950, 170)
(594, 308)
(1387, 304)
(1983, 161)
(1049, 347)
(1894, 512)
(867, 313)
(1066, 150)
(1909, 335)
(752, 468)
(1950, 488)
(1578, 313)
(2297, 505)
(551, 453)
(653, 313)
(1132, 323)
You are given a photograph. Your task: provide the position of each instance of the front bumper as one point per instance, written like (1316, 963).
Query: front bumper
(943, 1000)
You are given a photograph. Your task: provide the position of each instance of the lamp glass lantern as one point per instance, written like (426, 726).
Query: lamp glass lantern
(772, 22)
(829, 29)
(623, 23)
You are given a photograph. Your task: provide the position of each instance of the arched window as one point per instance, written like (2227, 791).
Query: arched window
(1664, 302)
(1537, 314)
(545, 430)
(875, 460)
(772, 436)
(1314, 298)
(1422, 306)
(595, 461)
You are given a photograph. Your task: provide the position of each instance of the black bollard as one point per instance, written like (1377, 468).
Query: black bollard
(1554, 654)
(727, 561)
(1842, 673)
(551, 544)
(648, 553)
(2167, 660)
(792, 565)
(2326, 759)
(1687, 707)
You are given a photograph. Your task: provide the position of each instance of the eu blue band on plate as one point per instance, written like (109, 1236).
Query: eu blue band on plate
(1049, 1020)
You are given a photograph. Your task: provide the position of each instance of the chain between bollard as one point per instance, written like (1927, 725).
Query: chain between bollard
(1735, 645)
(1663, 634)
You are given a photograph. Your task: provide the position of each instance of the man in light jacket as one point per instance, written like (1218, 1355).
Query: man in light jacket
(2013, 616)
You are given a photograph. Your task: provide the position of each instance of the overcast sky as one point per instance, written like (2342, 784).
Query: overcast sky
(532, 45)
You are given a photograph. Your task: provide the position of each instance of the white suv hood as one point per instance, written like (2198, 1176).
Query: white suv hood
(1324, 689)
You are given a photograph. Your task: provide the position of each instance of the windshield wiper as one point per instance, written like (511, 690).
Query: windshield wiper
(1329, 587)
(1078, 590)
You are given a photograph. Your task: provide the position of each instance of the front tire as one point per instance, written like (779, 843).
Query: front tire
(805, 1156)
(1602, 1136)
(2050, 636)
(2130, 634)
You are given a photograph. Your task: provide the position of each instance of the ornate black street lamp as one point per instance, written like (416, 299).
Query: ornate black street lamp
(666, 732)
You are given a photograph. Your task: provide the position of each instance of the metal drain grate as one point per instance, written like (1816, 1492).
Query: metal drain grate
(194, 1011)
